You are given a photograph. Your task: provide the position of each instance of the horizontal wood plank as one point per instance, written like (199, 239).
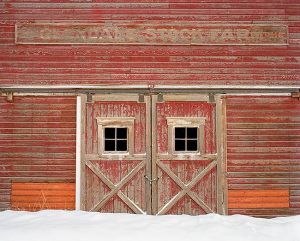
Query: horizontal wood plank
(219, 65)
(258, 199)
(37, 144)
(263, 154)
(38, 196)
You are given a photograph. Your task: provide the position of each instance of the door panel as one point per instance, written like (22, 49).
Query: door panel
(186, 181)
(113, 181)
(152, 176)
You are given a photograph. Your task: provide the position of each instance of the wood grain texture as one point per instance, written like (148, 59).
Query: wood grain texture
(125, 64)
(114, 182)
(39, 196)
(185, 183)
(263, 154)
(256, 199)
(37, 141)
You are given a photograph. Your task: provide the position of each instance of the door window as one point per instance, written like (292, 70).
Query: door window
(186, 139)
(115, 135)
(186, 135)
(115, 139)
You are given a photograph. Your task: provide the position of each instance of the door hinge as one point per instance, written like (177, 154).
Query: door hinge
(211, 98)
(10, 97)
(296, 94)
(160, 98)
(141, 98)
(89, 97)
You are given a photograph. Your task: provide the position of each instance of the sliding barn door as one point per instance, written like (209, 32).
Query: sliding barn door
(115, 154)
(184, 164)
(149, 154)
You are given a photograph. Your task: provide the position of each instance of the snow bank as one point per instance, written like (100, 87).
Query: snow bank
(87, 226)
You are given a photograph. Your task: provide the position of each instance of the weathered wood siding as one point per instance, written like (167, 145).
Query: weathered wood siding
(187, 182)
(37, 141)
(263, 154)
(207, 65)
(114, 182)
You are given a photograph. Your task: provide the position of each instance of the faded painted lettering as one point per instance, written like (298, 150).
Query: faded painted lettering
(159, 34)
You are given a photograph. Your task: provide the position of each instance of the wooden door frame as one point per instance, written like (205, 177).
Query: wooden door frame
(222, 187)
(147, 154)
(220, 126)
(82, 155)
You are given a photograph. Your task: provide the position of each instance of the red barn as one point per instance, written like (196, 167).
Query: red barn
(157, 107)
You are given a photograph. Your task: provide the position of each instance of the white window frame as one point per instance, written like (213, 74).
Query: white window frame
(115, 122)
(194, 122)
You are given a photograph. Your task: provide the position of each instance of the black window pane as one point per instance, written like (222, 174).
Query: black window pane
(192, 132)
(192, 145)
(110, 133)
(122, 133)
(121, 145)
(180, 132)
(109, 145)
(179, 145)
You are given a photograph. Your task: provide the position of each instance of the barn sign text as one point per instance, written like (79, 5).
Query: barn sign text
(154, 34)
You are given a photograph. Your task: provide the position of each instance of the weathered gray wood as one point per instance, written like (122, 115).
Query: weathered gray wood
(186, 189)
(154, 186)
(147, 100)
(129, 203)
(221, 157)
(165, 174)
(83, 154)
(114, 188)
(101, 171)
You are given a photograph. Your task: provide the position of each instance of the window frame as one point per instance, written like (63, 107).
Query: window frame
(186, 122)
(115, 122)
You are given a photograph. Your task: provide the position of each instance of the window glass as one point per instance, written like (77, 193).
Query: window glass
(110, 133)
(115, 139)
(180, 132)
(186, 139)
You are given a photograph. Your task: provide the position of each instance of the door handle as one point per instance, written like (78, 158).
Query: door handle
(151, 180)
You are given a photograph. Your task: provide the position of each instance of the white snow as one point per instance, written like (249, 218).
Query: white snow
(87, 226)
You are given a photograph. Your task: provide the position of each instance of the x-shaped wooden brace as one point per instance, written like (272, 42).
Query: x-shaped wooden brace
(186, 189)
(116, 189)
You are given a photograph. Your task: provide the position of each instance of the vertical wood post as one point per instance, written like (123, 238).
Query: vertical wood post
(221, 154)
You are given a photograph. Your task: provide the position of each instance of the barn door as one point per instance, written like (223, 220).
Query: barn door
(116, 154)
(149, 154)
(184, 165)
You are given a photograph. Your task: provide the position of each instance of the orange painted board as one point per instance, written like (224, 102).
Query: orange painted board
(258, 205)
(248, 199)
(258, 193)
(44, 186)
(38, 196)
